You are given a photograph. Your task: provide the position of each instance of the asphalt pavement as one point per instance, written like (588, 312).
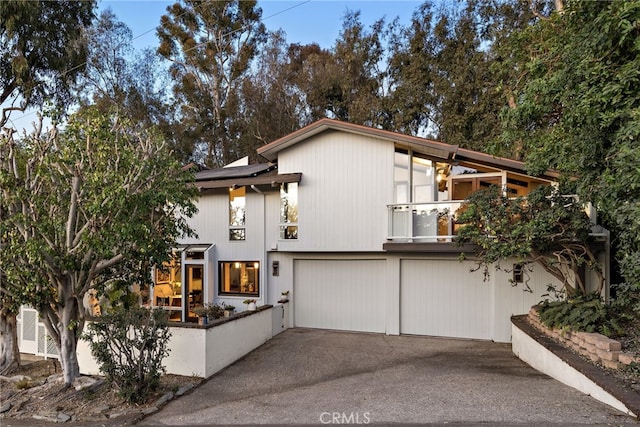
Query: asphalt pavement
(305, 376)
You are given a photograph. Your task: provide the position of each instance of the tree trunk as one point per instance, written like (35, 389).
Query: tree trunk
(9, 351)
(68, 328)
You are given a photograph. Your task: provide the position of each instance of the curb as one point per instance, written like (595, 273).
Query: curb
(608, 383)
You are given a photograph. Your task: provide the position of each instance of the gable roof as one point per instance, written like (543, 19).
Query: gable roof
(426, 146)
(436, 149)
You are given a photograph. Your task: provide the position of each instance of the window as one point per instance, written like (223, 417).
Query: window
(237, 208)
(167, 289)
(289, 211)
(414, 180)
(239, 278)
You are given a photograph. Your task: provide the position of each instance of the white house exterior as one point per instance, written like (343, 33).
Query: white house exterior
(356, 223)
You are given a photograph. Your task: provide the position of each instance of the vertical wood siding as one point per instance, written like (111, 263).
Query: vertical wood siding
(347, 181)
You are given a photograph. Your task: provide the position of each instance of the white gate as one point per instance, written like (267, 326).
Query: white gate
(32, 335)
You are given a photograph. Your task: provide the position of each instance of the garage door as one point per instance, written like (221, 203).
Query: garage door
(340, 294)
(442, 298)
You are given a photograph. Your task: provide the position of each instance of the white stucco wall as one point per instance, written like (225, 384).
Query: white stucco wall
(540, 358)
(202, 352)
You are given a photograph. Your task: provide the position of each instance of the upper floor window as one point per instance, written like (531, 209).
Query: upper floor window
(239, 278)
(289, 211)
(237, 210)
(414, 178)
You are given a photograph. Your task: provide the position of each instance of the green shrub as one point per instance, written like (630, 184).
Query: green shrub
(586, 313)
(129, 346)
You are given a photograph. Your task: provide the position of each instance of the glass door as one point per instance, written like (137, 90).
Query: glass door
(192, 291)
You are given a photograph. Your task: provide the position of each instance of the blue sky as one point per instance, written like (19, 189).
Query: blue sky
(303, 21)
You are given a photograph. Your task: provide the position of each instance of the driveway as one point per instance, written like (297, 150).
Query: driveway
(305, 376)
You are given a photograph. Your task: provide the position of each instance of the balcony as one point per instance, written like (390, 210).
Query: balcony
(422, 222)
(434, 222)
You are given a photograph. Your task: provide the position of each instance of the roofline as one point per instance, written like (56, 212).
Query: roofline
(451, 152)
(266, 179)
(464, 154)
(270, 151)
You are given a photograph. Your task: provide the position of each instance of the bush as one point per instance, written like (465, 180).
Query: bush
(586, 313)
(129, 346)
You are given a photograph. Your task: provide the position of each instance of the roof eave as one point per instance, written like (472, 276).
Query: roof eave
(437, 149)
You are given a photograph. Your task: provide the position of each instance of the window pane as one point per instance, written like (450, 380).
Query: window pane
(237, 202)
(423, 180)
(236, 234)
(289, 203)
(288, 232)
(401, 177)
(240, 278)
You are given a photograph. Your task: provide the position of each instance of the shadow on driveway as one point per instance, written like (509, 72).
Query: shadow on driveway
(305, 376)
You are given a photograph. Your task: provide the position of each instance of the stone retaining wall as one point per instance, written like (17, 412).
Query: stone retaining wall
(597, 347)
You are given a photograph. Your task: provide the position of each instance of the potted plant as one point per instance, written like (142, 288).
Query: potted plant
(214, 311)
(284, 296)
(201, 311)
(251, 304)
(228, 309)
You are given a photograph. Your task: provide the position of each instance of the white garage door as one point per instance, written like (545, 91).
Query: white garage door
(340, 294)
(442, 298)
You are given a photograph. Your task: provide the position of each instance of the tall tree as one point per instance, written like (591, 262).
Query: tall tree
(86, 207)
(443, 83)
(578, 110)
(346, 81)
(267, 105)
(41, 51)
(119, 78)
(210, 46)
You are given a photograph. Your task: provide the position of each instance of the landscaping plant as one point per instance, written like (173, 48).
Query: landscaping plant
(129, 346)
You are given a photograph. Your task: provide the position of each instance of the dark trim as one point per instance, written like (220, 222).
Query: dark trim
(428, 247)
(260, 180)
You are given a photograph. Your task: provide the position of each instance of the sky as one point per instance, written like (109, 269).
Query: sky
(303, 21)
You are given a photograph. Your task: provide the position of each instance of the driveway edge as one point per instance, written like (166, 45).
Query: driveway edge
(551, 358)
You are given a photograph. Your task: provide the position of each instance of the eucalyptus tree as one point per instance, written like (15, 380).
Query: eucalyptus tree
(210, 45)
(86, 207)
(268, 105)
(120, 78)
(41, 52)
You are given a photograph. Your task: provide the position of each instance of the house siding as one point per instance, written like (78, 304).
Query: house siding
(347, 182)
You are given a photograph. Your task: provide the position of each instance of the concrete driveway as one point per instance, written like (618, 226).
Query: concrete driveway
(307, 376)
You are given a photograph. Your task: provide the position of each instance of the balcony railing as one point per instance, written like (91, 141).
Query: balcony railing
(434, 221)
(422, 222)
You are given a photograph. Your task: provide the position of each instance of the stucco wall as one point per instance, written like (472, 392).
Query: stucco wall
(203, 351)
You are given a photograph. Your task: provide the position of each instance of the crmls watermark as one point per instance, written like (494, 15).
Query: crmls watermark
(345, 418)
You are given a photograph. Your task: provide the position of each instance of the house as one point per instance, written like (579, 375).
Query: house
(357, 223)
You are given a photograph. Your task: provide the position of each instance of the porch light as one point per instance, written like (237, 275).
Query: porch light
(256, 265)
(236, 265)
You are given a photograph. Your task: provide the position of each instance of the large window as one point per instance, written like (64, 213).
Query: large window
(237, 207)
(167, 290)
(289, 211)
(414, 180)
(239, 278)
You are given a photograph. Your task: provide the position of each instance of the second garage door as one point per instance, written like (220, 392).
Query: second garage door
(340, 294)
(442, 298)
